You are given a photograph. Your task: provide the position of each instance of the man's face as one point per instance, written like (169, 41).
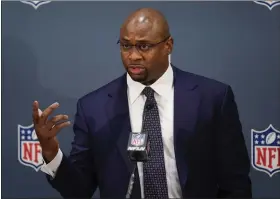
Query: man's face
(144, 61)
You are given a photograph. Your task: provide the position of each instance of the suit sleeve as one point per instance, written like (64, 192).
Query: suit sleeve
(76, 177)
(232, 155)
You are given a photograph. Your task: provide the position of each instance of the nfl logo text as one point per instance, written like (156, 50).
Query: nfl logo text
(137, 139)
(266, 150)
(29, 149)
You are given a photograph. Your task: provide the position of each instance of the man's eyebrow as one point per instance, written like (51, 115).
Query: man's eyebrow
(137, 41)
(144, 41)
(123, 39)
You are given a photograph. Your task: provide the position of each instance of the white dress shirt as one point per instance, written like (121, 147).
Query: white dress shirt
(164, 95)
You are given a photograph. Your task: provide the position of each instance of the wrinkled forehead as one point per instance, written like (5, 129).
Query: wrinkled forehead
(140, 29)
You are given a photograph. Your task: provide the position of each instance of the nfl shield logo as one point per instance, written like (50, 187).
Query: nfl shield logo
(137, 139)
(29, 149)
(35, 4)
(266, 150)
(268, 4)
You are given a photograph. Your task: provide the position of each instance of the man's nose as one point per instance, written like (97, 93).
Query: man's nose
(135, 54)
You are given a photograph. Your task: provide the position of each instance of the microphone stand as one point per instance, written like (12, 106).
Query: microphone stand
(131, 182)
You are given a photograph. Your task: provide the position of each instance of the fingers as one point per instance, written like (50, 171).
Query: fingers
(35, 113)
(55, 120)
(40, 112)
(48, 128)
(58, 127)
(47, 112)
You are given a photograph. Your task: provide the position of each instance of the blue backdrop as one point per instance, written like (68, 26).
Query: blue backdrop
(63, 50)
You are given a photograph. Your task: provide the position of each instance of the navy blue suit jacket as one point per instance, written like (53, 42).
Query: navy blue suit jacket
(211, 156)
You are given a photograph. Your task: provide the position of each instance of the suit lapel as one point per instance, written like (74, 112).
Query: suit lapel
(186, 103)
(118, 114)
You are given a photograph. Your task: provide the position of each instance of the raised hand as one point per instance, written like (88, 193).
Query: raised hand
(47, 128)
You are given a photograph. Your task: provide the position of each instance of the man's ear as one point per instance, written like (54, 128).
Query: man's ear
(169, 45)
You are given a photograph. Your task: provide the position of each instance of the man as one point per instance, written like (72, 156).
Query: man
(197, 144)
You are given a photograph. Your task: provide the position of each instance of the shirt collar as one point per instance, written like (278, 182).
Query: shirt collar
(162, 86)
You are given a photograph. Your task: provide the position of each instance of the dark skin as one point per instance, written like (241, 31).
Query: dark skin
(144, 26)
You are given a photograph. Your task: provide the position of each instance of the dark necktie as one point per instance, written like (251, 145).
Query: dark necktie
(155, 183)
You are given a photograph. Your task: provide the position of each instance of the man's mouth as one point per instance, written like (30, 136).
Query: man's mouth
(136, 69)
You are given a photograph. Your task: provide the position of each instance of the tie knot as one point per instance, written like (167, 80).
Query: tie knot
(148, 92)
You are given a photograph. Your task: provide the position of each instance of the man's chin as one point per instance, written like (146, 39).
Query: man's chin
(138, 78)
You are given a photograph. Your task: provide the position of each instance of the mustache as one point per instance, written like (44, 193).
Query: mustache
(136, 66)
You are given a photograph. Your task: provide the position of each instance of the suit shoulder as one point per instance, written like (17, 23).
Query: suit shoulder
(102, 91)
(208, 87)
(211, 90)
(207, 83)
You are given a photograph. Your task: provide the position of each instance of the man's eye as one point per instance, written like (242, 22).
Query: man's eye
(126, 46)
(144, 46)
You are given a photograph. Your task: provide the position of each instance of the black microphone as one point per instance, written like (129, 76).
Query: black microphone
(138, 147)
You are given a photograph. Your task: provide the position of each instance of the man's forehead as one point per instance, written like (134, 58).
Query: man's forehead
(138, 36)
(139, 31)
(138, 24)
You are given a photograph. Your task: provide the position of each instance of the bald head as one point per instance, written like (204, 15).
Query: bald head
(145, 44)
(147, 19)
